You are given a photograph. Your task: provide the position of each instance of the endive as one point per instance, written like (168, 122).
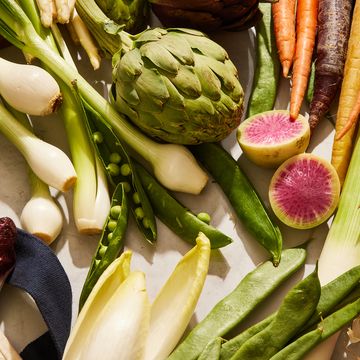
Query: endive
(117, 311)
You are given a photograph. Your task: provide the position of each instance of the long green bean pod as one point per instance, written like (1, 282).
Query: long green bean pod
(111, 242)
(120, 168)
(242, 196)
(175, 216)
(267, 70)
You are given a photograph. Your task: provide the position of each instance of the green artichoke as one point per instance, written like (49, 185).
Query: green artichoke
(178, 86)
(134, 14)
(207, 15)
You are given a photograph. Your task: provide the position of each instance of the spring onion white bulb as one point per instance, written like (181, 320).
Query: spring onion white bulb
(176, 168)
(41, 216)
(47, 161)
(29, 88)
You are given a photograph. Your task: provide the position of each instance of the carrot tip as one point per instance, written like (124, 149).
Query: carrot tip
(286, 67)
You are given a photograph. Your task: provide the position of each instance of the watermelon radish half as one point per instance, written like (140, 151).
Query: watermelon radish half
(304, 191)
(271, 137)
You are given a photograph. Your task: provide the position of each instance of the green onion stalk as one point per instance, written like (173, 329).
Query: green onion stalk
(91, 202)
(170, 163)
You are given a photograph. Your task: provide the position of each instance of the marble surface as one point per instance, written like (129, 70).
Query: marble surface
(19, 316)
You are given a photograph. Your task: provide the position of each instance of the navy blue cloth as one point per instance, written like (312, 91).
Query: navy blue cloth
(39, 272)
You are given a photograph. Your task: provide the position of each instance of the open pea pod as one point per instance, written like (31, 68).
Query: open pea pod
(111, 242)
(119, 168)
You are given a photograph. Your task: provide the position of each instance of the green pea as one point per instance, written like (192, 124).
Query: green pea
(115, 211)
(146, 223)
(136, 198)
(102, 250)
(242, 196)
(205, 217)
(234, 308)
(111, 225)
(127, 186)
(295, 310)
(139, 213)
(113, 169)
(125, 170)
(115, 158)
(175, 216)
(98, 137)
(110, 236)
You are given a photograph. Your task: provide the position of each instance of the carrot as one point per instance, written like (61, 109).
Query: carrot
(353, 119)
(350, 88)
(306, 21)
(334, 20)
(283, 13)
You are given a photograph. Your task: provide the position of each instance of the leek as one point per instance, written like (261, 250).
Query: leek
(341, 250)
(16, 27)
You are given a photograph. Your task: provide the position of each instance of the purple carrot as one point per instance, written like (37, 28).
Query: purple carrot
(334, 21)
(8, 234)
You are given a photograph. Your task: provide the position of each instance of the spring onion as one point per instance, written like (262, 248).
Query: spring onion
(171, 163)
(29, 88)
(341, 250)
(47, 161)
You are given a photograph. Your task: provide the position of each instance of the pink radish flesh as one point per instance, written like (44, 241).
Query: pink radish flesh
(304, 190)
(273, 129)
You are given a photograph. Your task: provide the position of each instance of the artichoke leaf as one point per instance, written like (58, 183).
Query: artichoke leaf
(130, 66)
(176, 100)
(149, 35)
(176, 301)
(127, 92)
(201, 105)
(207, 47)
(123, 107)
(179, 47)
(210, 83)
(187, 82)
(152, 90)
(221, 70)
(187, 31)
(160, 57)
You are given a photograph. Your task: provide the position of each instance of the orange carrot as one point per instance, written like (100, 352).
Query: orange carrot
(353, 119)
(306, 21)
(350, 88)
(283, 13)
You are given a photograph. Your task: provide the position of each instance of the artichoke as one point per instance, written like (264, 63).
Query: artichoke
(178, 86)
(207, 15)
(134, 14)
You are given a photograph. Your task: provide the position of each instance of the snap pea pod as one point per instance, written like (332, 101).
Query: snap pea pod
(254, 288)
(295, 310)
(242, 196)
(327, 327)
(310, 87)
(111, 242)
(120, 168)
(267, 69)
(212, 350)
(175, 216)
(339, 291)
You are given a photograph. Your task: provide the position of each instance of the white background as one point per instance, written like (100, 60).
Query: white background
(18, 315)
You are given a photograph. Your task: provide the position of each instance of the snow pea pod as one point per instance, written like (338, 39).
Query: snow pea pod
(267, 70)
(254, 288)
(242, 196)
(332, 294)
(212, 350)
(175, 216)
(327, 327)
(295, 310)
(120, 168)
(111, 242)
